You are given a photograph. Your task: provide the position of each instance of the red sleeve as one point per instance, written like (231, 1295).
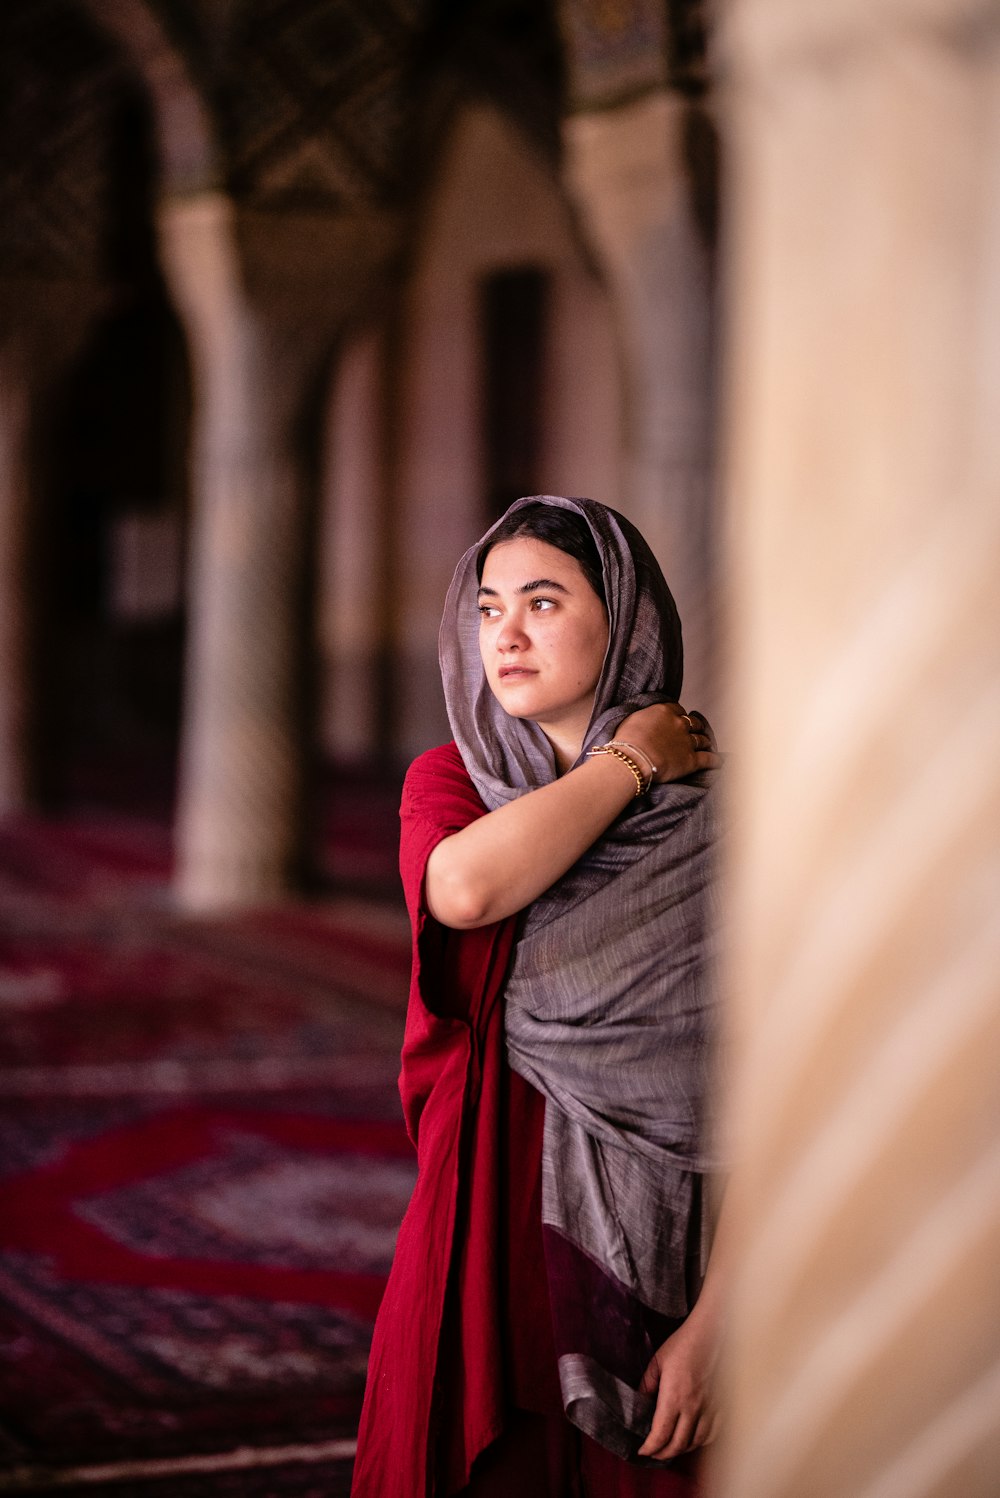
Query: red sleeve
(438, 796)
(455, 980)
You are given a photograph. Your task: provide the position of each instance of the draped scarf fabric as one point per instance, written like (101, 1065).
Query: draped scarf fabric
(609, 1000)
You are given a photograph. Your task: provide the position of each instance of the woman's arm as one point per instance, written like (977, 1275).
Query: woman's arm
(503, 861)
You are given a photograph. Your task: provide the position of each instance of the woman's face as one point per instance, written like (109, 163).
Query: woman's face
(543, 635)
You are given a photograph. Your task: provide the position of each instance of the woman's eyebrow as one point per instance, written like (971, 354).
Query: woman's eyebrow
(541, 582)
(536, 582)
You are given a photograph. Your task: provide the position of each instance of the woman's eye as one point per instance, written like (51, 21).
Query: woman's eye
(541, 605)
(488, 611)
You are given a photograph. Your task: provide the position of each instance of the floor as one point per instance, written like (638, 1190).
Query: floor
(203, 1161)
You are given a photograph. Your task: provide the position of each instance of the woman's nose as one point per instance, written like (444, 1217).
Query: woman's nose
(510, 636)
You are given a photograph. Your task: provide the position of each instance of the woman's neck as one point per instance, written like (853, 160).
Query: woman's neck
(567, 742)
(566, 757)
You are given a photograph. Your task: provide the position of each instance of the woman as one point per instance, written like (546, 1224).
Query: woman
(556, 862)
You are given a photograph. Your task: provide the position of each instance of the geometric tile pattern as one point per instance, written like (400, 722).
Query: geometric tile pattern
(306, 97)
(317, 102)
(60, 86)
(310, 102)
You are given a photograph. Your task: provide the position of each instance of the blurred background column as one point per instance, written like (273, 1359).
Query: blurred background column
(863, 474)
(275, 229)
(263, 296)
(640, 163)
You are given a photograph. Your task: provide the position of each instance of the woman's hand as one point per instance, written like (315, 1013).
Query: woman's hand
(677, 743)
(680, 1375)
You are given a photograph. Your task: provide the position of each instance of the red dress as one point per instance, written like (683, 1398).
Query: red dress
(463, 1363)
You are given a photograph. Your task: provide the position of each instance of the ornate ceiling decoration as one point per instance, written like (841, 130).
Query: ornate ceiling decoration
(63, 91)
(314, 104)
(308, 99)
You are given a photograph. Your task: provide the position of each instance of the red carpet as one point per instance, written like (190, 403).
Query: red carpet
(203, 1168)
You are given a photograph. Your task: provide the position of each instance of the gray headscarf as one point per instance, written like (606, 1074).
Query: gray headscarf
(608, 1002)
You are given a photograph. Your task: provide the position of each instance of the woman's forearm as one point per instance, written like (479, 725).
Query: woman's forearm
(500, 863)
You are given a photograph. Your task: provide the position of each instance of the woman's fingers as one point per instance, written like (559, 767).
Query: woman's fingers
(650, 1381)
(699, 728)
(702, 739)
(677, 743)
(670, 1439)
(672, 1435)
(661, 1431)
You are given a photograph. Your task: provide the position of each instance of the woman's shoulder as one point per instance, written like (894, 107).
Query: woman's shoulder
(437, 781)
(442, 759)
(441, 765)
(438, 799)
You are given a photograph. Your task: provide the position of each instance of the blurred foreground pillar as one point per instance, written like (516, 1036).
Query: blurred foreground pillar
(863, 479)
(629, 170)
(262, 295)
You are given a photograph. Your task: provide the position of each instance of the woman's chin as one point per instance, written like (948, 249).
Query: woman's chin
(517, 699)
(518, 710)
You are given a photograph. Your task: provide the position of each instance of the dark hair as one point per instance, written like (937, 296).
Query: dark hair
(565, 529)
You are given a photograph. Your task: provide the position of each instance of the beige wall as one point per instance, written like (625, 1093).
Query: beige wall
(494, 206)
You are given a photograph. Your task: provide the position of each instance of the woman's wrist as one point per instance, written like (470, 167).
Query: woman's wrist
(623, 753)
(650, 769)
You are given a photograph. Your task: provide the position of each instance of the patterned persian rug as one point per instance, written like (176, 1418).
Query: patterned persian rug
(202, 1169)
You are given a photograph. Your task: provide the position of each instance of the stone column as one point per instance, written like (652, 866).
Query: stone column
(353, 542)
(864, 552)
(627, 171)
(262, 297)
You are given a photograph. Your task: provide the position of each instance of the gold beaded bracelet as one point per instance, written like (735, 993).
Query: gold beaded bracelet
(626, 759)
(640, 754)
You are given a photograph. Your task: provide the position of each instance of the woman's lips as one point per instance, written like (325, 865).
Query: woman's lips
(512, 673)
